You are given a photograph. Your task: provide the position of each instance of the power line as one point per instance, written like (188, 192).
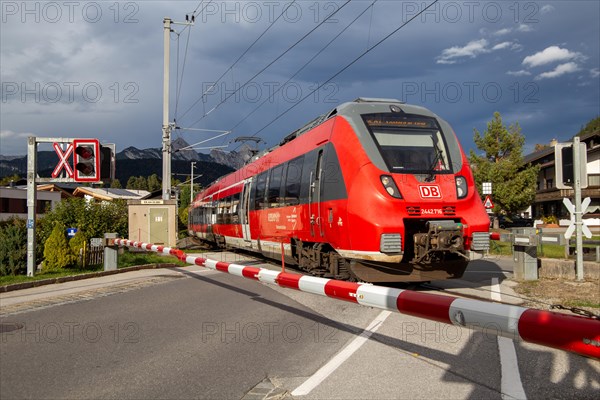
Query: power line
(271, 63)
(347, 66)
(238, 59)
(179, 82)
(305, 64)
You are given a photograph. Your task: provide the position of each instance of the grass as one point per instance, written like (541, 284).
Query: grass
(127, 259)
(546, 250)
(582, 304)
(130, 259)
(500, 248)
(10, 279)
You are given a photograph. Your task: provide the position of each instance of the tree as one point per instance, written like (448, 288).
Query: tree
(13, 246)
(115, 184)
(592, 126)
(76, 244)
(57, 253)
(513, 182)
(8, 179)
(131, 182)
(141, 183)
(154, 183)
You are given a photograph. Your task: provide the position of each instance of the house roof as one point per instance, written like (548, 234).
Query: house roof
(110, 194)
(66, 189)
(529, 158)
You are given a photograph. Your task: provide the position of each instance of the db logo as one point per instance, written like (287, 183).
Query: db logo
(430, 191)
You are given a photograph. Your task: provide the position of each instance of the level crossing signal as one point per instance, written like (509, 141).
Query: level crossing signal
(92, 162)
(86, 160)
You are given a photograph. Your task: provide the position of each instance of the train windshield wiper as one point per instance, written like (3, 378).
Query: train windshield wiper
(432, 168)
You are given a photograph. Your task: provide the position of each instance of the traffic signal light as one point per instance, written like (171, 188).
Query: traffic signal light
(86, 160)
(107, 162)
(563, 165)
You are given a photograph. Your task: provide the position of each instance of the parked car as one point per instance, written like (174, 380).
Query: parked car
(513, 221)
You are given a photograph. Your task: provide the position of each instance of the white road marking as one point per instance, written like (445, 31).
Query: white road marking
(510, 384)
(342, 356)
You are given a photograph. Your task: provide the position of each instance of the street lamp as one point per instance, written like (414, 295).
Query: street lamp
(192, 183)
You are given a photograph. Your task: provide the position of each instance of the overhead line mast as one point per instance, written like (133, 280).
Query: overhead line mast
(167, 127)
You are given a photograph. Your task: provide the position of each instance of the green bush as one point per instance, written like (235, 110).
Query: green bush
(57, 254)
(13, 247)
(76, 245)
(94, 219)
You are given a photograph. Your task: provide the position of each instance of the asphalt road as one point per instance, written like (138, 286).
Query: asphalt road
(194, 333)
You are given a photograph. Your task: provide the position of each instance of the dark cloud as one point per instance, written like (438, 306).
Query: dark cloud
(109, 71)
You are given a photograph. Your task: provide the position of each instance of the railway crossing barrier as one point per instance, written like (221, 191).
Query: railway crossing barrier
(577, 334)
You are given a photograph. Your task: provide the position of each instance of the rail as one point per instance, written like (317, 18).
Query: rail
(576, 334)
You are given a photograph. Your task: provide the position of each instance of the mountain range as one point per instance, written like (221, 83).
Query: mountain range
(132, 161)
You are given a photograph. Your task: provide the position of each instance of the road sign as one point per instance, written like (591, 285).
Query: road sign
(71, 232)
(571, 208)
(487, 188)
(488, 202)
(63, 160)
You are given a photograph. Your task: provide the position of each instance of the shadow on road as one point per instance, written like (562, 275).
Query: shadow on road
(423, 341)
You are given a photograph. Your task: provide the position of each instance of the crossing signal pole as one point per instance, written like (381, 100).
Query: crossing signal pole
(91, 163)
(571, 173)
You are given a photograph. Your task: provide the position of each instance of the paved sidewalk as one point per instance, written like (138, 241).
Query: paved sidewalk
(84, 289)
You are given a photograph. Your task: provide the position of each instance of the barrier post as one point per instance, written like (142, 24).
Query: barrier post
(525, 254)
(110, 251)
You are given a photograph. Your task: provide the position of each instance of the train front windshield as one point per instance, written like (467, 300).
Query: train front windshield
(409, 143)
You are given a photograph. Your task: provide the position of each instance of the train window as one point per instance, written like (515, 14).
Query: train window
(308, 172)
(333, 186)
(251, 200)
(292, 181)
(235, 205)
(409, 143)
(274, 191)
(261, 185)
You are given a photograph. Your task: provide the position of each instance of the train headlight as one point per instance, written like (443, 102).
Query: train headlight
(461, 187)
(390, 186)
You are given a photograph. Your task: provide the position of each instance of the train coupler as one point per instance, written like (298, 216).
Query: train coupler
(442, 237)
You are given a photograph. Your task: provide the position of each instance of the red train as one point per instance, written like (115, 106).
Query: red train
(375, 190)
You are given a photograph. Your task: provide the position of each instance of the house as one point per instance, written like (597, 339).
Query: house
(549, 199)
(13, 202)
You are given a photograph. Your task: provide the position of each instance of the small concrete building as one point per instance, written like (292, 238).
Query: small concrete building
(153, 221)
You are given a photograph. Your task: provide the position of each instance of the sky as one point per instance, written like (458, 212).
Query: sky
(78, 69)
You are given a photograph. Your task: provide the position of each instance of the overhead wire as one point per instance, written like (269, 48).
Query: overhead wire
(304, 65)
(178, 81)
(238, 59)
(271, 63)
(368, 50)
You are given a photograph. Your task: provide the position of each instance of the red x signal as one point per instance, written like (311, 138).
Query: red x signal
(63, 160)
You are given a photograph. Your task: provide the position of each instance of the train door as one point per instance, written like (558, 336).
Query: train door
(245, 212)
(315, 196)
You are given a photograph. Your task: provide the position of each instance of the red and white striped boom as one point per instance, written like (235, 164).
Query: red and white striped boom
(571, 333)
